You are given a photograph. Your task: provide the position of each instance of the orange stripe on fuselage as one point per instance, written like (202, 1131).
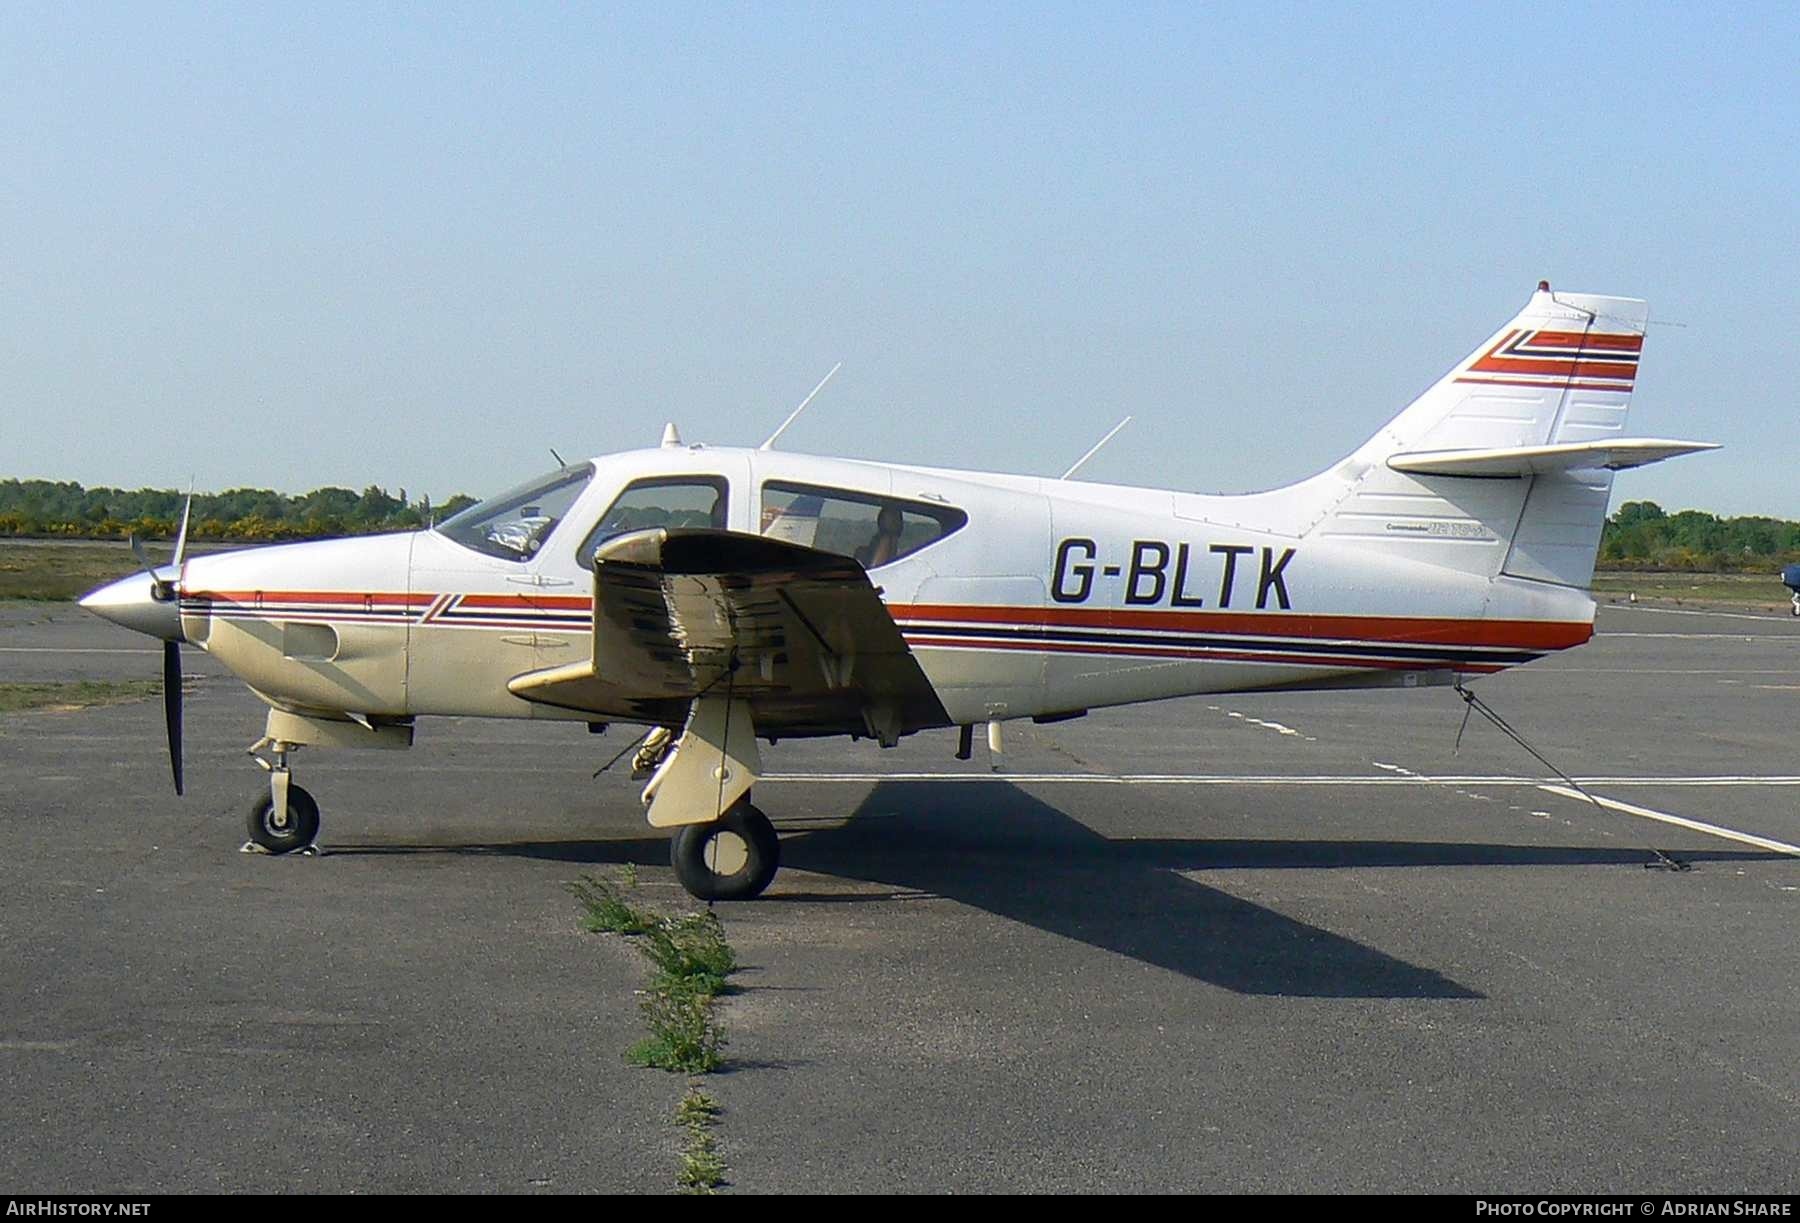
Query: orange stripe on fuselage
(333, 597)
(1521, 634)
(1208, 655)
(563, 602)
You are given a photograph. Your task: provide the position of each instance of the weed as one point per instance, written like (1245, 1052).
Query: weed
(690, 954)
(608, 912)
(702, 1170)
(696, 1108)
(683, 1036)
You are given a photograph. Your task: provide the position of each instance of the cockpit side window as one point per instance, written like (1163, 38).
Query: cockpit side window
(871, 529)
(662, 501)
(516, 524)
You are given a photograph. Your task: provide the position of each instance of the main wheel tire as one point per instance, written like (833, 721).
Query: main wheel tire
(302, 827)
(732, 858)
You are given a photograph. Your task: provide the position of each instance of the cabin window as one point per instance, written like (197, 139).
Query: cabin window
(665, 501)
(516, 524)
(871, 529)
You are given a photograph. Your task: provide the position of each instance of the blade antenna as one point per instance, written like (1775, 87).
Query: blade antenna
(770, 444)
(1096, 449)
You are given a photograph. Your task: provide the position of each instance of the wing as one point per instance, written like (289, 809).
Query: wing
(799, 633)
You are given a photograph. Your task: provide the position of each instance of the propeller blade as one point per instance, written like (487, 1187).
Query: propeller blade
(172, 706)
(164, 588)
(187, 511)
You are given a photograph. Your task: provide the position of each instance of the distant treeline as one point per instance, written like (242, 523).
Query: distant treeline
(1640, 536)
(64, 509)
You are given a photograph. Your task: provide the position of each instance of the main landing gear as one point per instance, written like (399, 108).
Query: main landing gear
(731, 858)
(723, 848)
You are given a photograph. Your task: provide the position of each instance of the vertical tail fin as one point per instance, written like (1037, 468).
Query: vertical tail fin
(1560, 372)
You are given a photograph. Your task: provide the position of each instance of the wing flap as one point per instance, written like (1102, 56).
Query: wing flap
(799, 633)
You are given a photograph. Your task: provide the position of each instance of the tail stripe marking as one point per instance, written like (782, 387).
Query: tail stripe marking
(1606, 362)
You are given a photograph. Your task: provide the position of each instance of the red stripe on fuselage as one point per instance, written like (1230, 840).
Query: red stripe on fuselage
(558, 602)
(325, 598)
(1204, 654)
(1369, 630)
(1372, 630)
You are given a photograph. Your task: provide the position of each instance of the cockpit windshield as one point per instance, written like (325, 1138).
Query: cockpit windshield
(518, 522)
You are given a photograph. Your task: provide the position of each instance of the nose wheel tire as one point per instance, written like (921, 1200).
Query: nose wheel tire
(731, 858)
(301, 829)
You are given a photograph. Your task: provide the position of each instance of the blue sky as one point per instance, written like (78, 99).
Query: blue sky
(420, 246)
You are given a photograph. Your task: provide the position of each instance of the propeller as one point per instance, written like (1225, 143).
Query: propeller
(164, 589)
(172, 706)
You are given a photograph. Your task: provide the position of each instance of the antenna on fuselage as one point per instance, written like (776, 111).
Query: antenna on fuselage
(559, 459)
(770, 444)
(1096, 450)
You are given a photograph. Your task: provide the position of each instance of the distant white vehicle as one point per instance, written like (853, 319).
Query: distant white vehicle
(730, 595)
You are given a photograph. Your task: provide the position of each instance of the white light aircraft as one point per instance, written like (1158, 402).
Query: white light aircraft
(731, 596)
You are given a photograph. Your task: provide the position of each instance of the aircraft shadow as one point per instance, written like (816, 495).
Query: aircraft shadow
(1015, 856)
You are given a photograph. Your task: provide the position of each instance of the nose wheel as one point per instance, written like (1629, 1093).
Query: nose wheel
(731, 858)
(282, 832)
(284, 817)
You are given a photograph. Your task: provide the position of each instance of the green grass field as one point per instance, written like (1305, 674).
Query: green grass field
(58, 572)
(20, 698)
(1744, 591)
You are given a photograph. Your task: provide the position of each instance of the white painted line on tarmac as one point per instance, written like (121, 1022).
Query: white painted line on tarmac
(1680, 821)
(1660, 671)
(42, 649)
(1278, 779)
(1682, 611)
(1758, 638)
(1358, 780)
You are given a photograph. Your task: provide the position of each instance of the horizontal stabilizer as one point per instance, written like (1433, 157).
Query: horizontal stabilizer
(1517, 461)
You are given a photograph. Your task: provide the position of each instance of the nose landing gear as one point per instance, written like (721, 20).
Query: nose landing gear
(287, 817)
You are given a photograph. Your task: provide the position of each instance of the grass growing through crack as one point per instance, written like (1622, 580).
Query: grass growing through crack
(702, 1170)
(691, 961)
(690, 954)
(684, 1037)
(608, 910)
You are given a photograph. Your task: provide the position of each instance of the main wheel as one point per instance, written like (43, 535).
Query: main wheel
(301, 829)
(732, 858)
